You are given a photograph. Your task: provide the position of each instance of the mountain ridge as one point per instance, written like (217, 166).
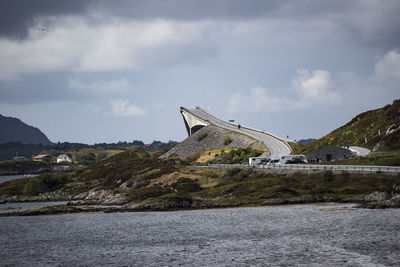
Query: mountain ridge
(15, 130)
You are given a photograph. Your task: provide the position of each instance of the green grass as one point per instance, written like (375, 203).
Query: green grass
(43, 183)
(231, 187)
(227, 141)
(297, 148)
(34, 185)
(366, 125)
(238, 155)
(256, 185)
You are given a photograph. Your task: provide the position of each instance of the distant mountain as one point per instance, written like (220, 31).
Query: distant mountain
(14, 130)
(377, 129)
(306, 141)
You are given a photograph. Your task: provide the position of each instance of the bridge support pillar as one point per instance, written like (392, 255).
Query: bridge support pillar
(192, 123)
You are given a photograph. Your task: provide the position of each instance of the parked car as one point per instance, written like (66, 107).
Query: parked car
(274, 162)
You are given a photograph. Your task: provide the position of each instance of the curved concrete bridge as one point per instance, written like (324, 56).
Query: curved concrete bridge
(197, 118)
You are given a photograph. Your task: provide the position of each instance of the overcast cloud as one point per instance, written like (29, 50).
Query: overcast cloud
(131, 64)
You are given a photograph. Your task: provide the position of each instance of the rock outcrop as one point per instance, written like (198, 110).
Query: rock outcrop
(381, 200)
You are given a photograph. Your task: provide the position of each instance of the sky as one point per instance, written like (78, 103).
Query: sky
(96, 71)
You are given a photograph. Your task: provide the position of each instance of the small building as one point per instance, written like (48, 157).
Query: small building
(148, 146)
(63, 158)
(42, 157)
(329, 153)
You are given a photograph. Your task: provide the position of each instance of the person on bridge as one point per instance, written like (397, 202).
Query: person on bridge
(239, 126)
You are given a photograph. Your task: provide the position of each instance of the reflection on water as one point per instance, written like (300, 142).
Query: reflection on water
(11, 207)
(328, 235)
(6, 178)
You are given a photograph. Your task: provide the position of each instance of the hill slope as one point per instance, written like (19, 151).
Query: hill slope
(14, 130)
(137, 180)
(375, 129)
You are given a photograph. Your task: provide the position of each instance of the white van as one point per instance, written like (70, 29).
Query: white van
(254, 161)
(274, 161)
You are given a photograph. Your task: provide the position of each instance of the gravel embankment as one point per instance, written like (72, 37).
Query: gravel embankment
(214, 140)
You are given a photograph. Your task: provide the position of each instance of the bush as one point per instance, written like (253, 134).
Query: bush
(202, 136)
(345, 175)
(240, 155)
(148, 192)
(186, 185)
(86, 158)
(101, 156)
(328, 176)
(233, 171)
(43, 183)
(227, 141)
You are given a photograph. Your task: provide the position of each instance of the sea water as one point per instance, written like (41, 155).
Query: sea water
(305, 235)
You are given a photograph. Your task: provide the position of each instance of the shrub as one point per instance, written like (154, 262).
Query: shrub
(233, 171)
(240, 155)
(202, 136)
(43, 183)
(148, 192)
(345, 175)
(328, 176)
(227, 141)
(101, 156)
(186, 185)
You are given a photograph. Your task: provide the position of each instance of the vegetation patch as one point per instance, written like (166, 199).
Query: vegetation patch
(227, 141)
(202, 136)
(238, 155)
(148, 192)
(43, 183)
(366, 130)
(165, 184)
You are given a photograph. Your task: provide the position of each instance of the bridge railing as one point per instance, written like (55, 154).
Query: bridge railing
(306, 167)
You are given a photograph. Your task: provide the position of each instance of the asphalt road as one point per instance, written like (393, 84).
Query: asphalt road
(360, 151)
(276, 146)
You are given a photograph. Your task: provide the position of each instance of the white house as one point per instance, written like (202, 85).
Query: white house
(63, 158)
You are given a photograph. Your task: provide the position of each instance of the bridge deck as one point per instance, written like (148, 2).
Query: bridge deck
(276, 146)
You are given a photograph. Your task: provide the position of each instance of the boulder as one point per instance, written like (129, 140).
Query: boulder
(376, 196)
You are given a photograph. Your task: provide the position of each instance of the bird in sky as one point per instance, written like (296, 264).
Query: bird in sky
(42, 29)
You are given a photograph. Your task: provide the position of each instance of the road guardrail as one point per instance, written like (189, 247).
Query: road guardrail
(309, 167)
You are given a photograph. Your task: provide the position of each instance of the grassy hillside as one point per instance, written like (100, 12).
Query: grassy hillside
(143, 180)
(366, 125)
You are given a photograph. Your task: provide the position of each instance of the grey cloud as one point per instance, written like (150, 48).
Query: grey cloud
(371, 22)
(17, 16)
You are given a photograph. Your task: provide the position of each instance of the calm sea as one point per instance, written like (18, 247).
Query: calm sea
(5, 178)
(305, 235)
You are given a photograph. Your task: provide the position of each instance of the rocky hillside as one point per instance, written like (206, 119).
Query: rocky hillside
(136, 180)
(211, 138)
(378, 130)
(14, 130)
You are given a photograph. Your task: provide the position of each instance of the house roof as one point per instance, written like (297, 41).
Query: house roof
(62, 156)
(40, 156)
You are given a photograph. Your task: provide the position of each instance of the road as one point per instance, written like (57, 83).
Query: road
(360, 151)
(277, 147)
